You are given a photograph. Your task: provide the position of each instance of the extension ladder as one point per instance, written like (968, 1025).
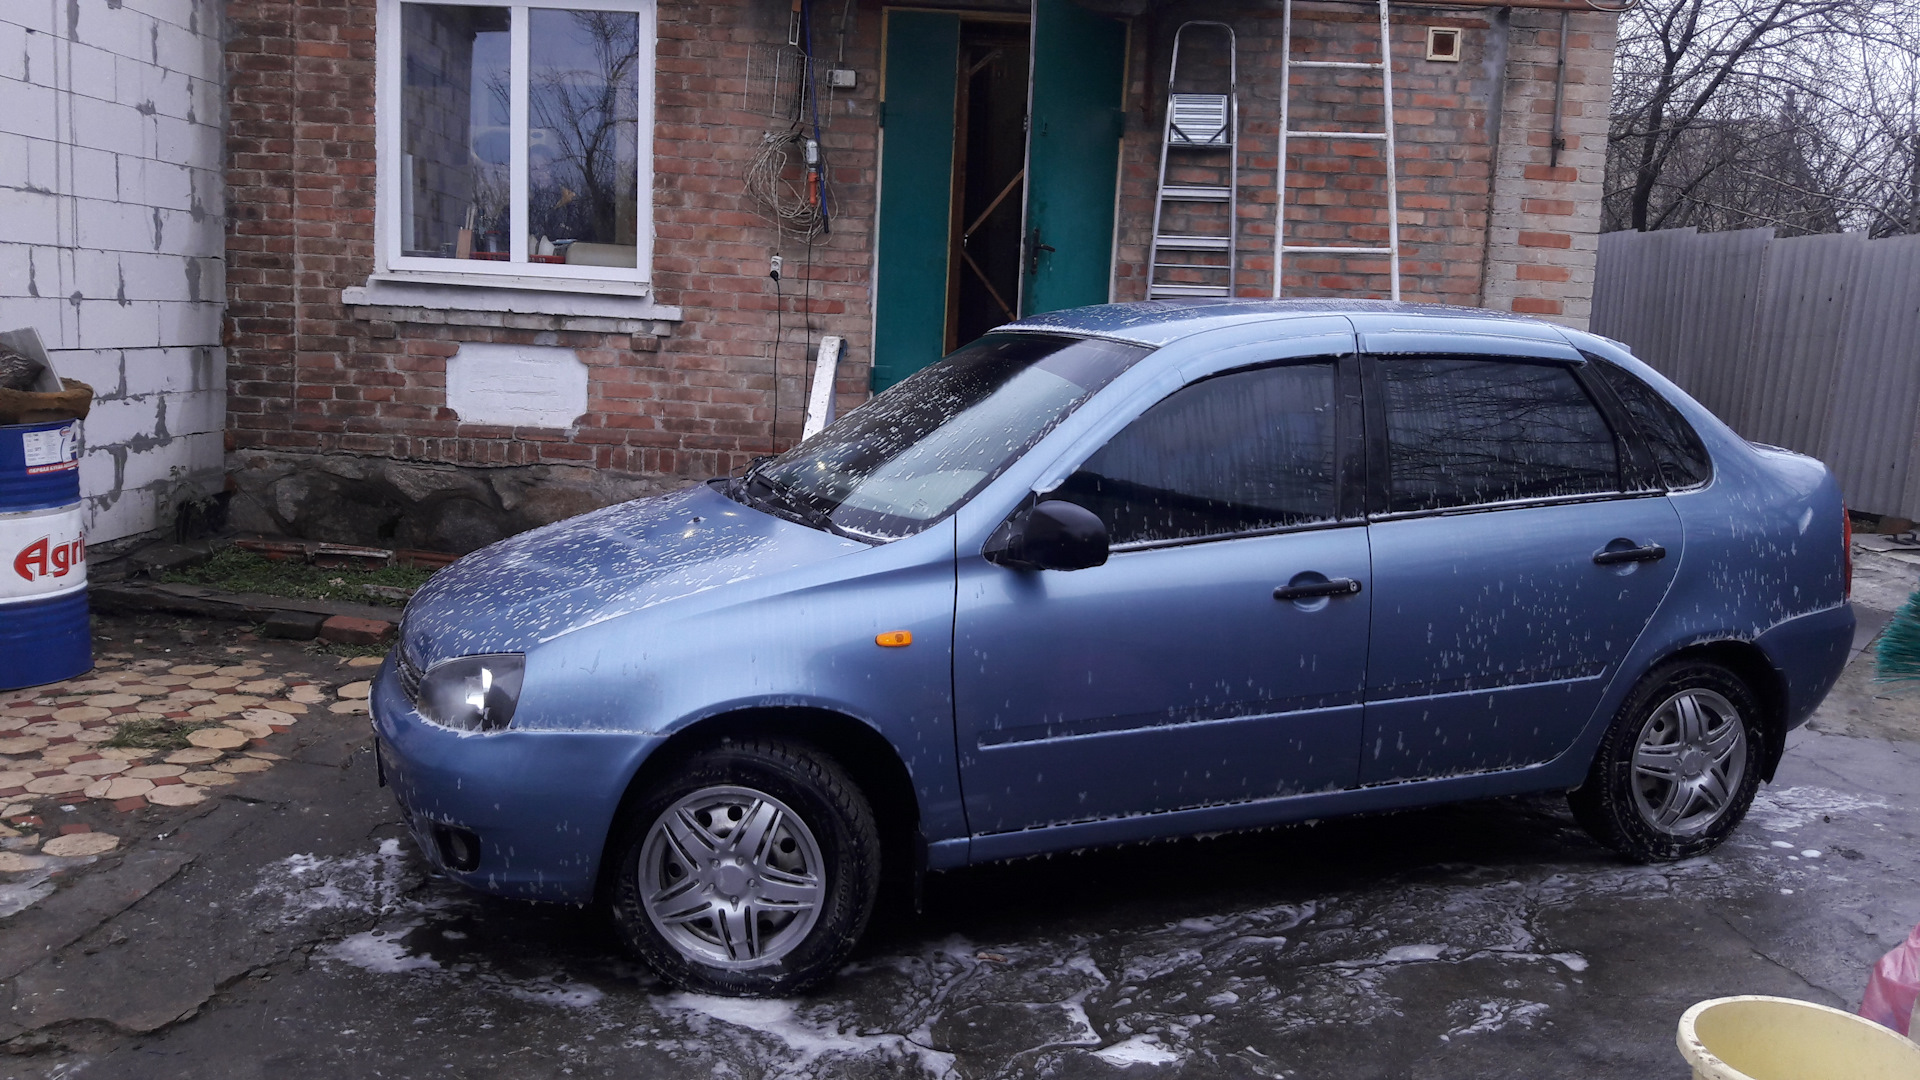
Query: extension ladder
(1197, 122)
(1385, 67)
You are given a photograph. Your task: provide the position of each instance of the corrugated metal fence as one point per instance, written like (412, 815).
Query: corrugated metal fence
(1807, 342)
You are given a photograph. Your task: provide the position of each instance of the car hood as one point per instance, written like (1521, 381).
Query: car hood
(539, 585)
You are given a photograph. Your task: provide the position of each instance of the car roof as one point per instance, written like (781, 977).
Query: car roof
(1161, 322)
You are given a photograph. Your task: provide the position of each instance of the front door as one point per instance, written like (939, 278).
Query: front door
(1495, 629)
(1073, 156)
(1176, 675)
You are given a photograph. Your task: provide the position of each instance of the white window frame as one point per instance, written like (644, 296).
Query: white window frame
(517, 272)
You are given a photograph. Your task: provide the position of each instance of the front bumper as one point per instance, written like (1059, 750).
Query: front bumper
(540, 802)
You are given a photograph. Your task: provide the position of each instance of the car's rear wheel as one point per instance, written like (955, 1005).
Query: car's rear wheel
(1679, 767)
(750, 871)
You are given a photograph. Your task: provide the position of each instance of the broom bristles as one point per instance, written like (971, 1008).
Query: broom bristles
(1897, 657)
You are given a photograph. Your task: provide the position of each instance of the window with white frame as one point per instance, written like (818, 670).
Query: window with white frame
(515, 141)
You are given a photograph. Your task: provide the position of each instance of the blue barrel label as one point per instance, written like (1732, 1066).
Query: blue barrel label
(52, 450)
(42, 554)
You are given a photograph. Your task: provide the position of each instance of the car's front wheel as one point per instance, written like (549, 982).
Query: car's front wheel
(1679, 767)
(750, 871)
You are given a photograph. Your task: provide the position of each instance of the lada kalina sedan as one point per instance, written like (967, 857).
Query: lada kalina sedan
(1116, 574)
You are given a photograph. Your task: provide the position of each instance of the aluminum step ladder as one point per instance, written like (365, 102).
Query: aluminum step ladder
(1385, 68)
(1197, 124)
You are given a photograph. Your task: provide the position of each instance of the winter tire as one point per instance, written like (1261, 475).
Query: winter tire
(1679, 767)
(750, 871)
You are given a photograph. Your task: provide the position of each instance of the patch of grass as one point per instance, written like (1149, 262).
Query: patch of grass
(237, 570)
(159, 733)
(335, 648)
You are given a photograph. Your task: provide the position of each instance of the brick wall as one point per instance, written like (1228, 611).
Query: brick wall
(1546, 214)
(1337, 192)
(1473, 230)
(337, 405)
(313, 377)
(110, 236)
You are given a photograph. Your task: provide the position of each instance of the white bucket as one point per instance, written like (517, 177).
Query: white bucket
(1770, 1038)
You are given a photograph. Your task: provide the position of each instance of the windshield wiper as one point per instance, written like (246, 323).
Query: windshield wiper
(781, 498)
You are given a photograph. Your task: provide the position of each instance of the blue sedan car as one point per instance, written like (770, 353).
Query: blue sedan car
(1117, 574)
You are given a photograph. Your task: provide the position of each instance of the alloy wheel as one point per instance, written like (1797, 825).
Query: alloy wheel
(1689, 762)
(732, 877)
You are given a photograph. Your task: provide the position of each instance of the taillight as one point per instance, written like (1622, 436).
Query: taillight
(1846, 548)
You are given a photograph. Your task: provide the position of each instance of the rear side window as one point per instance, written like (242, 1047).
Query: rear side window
(1682, 458)
(1467, 432)
(1237, 453)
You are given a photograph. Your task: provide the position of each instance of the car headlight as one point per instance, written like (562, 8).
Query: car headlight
(472, 693)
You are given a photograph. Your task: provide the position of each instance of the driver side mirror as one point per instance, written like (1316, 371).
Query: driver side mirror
(1052, 535)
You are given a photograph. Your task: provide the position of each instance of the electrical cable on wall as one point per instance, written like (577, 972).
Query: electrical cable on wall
(816, 190)
(779, 329)
(802, 210)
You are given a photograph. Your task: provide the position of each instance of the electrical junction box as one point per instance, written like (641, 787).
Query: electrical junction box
(840, 78)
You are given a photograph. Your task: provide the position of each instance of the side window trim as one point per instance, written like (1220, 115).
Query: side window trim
(1244, 534)
(1352, 423)
(1374, 395)
(1379, 475)
(1349, 442)
(1514, 504)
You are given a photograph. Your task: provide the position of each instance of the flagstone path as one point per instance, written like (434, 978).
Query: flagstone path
(141, 731)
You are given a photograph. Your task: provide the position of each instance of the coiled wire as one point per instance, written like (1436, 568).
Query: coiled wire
(770, 181)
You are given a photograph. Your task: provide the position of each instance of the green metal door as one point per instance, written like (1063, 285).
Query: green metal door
(1073, 156)
(916, 192)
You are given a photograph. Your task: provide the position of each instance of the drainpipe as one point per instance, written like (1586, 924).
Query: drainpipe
(1558, 143)
(1496, 66)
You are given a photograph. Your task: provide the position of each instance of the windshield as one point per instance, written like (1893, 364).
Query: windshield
(905, 459)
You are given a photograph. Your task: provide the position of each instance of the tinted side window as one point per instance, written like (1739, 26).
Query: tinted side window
(1464, 432)
(1682, 457)
(1236, 453)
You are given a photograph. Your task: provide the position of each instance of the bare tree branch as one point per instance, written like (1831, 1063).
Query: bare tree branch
(1799, 114)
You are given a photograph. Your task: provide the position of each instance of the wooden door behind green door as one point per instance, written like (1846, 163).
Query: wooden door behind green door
(916, 192)
(1073, 155)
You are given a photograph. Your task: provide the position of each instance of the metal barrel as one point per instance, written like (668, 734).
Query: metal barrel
(44, 633)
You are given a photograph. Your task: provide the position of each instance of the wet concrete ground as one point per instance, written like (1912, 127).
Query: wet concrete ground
(294, 933)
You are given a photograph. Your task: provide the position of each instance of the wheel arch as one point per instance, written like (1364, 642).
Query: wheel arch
(871, 761)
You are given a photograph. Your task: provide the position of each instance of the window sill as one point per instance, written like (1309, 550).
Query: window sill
(446, 300)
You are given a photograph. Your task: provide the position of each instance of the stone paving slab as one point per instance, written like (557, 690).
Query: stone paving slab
(167, 720)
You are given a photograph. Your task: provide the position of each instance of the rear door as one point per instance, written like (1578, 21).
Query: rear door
(1513, 567)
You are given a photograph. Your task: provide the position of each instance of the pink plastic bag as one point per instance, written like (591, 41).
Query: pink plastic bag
(1894, 986)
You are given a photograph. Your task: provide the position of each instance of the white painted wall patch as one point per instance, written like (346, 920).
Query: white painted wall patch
(516, 385)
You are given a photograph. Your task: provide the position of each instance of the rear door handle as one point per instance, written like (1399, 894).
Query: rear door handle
(1643, 553)
(1308, 590)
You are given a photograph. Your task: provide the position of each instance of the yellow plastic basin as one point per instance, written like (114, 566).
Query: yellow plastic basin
(1770, 1038)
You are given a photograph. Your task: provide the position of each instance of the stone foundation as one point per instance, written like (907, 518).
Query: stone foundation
(381, 502)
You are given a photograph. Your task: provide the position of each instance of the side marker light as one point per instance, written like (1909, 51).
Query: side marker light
(893, 639)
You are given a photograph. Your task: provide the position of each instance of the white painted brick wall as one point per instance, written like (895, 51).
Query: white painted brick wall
(111, 237)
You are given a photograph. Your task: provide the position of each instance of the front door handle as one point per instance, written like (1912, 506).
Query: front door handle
(1308, 590)
(1643, 553)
